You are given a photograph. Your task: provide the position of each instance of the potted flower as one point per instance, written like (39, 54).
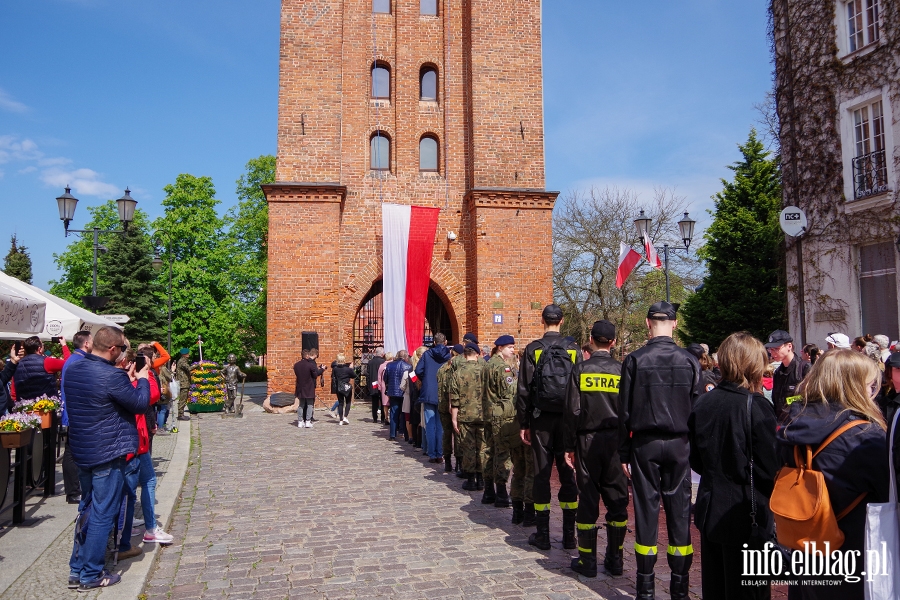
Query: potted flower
(17, 429)
(45, 407)
(207, 387)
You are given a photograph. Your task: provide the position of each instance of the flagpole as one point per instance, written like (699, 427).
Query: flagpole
(666, 254)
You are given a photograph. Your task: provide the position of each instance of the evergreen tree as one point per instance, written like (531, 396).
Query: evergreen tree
(131, 284)
(744, 289)
(17, 262)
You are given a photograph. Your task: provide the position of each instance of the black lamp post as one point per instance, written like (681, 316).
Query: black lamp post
(67, 203)
(685, 227)
(157, 264)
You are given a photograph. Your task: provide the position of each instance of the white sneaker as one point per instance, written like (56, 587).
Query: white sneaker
(309, 424)
(300, 424)
(332, 414)
(346, 421)
(157, 536)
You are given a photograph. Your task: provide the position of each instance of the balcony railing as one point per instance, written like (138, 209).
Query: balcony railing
(870, 174)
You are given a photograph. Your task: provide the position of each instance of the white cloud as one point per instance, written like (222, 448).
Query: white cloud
(26, 170)
(82, 181)
(12, 148)
(8, 104)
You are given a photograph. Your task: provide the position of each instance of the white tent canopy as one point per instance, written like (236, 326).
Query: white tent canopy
(20, 312)
(61, 318)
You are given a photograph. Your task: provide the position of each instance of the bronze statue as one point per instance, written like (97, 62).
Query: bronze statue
(232, 372)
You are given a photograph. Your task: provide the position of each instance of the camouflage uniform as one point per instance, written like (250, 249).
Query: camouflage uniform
(183, 374)
(466, 384)
(506, 448)
(443, 381)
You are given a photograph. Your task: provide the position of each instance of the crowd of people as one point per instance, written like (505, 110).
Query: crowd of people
(114, 400)
(737, 417)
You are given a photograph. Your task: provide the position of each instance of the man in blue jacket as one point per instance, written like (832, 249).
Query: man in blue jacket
(426, 371)
(84, 343)
(101, 402)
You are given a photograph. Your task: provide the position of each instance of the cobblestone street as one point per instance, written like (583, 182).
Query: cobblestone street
(272, 511)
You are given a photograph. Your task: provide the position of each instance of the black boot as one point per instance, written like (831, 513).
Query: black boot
(462, 474)
(447, 466)
(489, 495)
(615, 538)
(541, 537)
(644, 586)
(502, 496)
(569, 529)
(586, 563)
(528, 515)
(679, 587)
(479, 482)
(518, 511)
(470, 485)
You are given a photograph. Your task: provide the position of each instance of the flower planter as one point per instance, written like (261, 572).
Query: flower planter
(16, 439)
(205, 408)
(45, 417)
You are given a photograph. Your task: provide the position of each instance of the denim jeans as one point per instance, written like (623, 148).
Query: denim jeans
(344, 401)
(305, 410)
(147, 480)
(162, 415)
(104, 484)
(396, 403)
(434, 432)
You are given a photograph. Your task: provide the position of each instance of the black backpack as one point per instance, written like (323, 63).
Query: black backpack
(551, 376)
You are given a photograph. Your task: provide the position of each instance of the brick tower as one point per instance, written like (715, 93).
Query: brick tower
(466, 75)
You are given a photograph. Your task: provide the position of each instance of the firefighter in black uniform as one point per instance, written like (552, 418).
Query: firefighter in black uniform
(592, 443)
(659, 385)
(539, 408)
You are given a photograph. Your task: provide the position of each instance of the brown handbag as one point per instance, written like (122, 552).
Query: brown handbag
(800, 502)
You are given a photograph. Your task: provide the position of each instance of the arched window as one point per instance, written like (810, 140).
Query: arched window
(381, 81)
(381, 6)
(380, 152)
(428, 84)
(428, 7)
(428, 154)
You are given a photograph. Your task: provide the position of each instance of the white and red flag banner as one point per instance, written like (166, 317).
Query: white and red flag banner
(652, 256)
(628, 260)
(408, 244)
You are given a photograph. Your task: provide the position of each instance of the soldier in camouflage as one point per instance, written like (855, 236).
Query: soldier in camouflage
(467, 416)
(443, 387)
(502, 433)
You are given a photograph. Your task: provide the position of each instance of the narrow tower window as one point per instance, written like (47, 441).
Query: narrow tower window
(428, 7)
(428, 84)
(381, 81)
(428, 154)
(381, 6)
(380, 151)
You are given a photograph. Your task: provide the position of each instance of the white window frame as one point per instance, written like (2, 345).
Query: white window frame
(848, 147)
(842, 23)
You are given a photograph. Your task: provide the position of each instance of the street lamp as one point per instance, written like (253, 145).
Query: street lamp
(157, 264)
(66, 204)
(685, 228)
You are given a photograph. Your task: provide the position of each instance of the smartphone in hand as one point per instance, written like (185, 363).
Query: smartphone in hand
(140, 361)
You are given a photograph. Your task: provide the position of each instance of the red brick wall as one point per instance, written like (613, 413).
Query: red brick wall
(325, 253)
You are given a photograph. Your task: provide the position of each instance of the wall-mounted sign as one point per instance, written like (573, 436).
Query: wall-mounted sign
(498, 319)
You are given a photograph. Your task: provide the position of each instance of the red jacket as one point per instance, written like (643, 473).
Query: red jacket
(141, 420)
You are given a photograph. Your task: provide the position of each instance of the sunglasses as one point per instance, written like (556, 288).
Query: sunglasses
(123, 347)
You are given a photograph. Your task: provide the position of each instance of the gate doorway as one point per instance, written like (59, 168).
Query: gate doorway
(368, 329)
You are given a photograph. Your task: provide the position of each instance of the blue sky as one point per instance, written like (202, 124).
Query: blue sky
(104, 94)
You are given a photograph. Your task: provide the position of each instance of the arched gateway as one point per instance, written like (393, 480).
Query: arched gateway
(482, 166)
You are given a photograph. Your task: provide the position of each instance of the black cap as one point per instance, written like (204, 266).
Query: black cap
(662, 311)
(778, 338)
(470, 337)
(696, 349)
(552, 314)
(505, 340)
(473, 347)
(603, 331)
(893, 361)
(458, 348)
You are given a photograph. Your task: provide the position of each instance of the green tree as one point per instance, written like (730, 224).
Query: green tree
(191, 233)
(248, 245)
(77, 262)
(132, 285)
(744, 288)
(17, 262)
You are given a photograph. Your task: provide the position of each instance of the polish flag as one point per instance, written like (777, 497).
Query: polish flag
(407, 243)
(652, 256)
(628, 260)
